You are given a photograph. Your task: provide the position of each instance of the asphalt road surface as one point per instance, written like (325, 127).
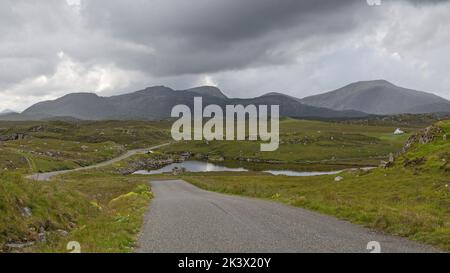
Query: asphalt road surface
(49, 175)
(184, 218)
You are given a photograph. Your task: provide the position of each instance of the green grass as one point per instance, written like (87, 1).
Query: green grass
(303, 142)
(400, 203)
(306, 142)
(57, 145)
(130, 134)
(11, 160)
(52, 206)
(52, 154)
(121, 202)
(102, 211)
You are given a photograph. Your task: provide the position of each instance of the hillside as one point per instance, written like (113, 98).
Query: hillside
(379, 97)
(102, 210)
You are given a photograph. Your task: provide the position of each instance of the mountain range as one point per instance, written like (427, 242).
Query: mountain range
(358, 99)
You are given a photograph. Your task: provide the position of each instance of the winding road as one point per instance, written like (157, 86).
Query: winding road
(49, 175)
(184, 218)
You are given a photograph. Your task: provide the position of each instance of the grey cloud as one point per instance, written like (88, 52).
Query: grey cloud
(245, 46)
(210, 35)
(31, 34)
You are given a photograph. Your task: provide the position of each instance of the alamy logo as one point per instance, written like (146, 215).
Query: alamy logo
(237, 119)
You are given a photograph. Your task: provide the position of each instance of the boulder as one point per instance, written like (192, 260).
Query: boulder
(391, 157)
(26, 212)
(386, 164)
(338, 178)
(15, 246)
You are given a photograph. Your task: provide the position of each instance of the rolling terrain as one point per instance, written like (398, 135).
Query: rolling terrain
(306, 144)
(409, 198)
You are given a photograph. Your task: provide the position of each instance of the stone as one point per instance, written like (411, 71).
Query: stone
(15, 136)
(18, 245)
(413, 162)
(386, 164)
(391, 157)
(62, 232)
(178, 171)
(338, 178)
(26, 212)
(42, 237)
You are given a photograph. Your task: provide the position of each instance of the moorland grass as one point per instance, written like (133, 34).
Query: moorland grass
(306, 142)
(101, 211)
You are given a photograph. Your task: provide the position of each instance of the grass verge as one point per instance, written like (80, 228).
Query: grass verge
(399, 203)
(411, 198)
(101, 211)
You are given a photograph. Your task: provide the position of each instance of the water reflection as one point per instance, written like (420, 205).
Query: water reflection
(200, 166)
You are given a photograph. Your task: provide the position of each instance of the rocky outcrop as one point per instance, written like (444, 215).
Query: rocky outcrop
(15, 136)
(150, 163)
(425, 136)
(178, 171)
(414, 162)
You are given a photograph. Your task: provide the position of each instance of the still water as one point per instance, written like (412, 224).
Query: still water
(200, 166)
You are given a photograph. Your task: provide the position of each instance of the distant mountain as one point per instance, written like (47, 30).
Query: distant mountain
(438, 107)
(291, 107)
(379, 97)
(25, 117)
(208, 91)
(156, 103)
(7, 112)
(76, 105)
(280, 94)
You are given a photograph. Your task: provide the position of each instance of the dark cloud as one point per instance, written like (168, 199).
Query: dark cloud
(213, 35)
(247, 47)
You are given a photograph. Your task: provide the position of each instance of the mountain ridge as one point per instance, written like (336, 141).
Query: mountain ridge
(379, 97)
(358, 99)
(156, 102)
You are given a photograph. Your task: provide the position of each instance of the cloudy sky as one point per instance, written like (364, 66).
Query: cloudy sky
(49, 48)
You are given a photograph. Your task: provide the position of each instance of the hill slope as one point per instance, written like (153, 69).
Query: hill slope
(379, 97)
